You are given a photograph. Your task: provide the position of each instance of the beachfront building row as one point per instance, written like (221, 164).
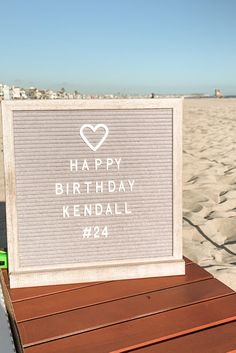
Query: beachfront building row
(13, 92)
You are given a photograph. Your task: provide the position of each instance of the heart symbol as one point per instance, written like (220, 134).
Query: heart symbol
(94, 129)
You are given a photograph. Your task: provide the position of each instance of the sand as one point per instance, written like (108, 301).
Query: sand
(209, 186)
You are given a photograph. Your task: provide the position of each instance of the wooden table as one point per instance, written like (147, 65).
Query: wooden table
(191, 313)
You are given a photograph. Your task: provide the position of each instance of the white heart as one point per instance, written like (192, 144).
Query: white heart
(94, 129)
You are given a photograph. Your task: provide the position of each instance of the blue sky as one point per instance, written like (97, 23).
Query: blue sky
(135, 46)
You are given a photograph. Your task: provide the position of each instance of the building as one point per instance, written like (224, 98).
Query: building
(4, 92)
(17, 93)
(51, 94)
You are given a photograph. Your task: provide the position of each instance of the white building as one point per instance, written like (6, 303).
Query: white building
(4, 92)
(70, 95)
(15, 92)
(51, 94)
(23, 94)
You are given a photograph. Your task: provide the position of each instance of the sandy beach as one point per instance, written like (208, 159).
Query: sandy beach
(209, 186)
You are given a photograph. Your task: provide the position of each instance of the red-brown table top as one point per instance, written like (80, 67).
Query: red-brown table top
(178, 314)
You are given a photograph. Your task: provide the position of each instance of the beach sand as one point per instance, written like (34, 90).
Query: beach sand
(209, 186)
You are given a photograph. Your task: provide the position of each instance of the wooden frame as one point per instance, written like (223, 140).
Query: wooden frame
(109, 270)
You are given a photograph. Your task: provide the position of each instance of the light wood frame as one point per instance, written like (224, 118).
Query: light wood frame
(109, 270)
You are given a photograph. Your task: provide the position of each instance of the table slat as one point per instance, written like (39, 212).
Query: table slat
(160, 327)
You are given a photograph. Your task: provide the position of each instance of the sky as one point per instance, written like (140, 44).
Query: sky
(127, 46)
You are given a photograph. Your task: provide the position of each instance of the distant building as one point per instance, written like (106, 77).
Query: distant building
(218, 93)
(34, 93)
(51, 94)
(17, 93)
(23, 94)
(4, 92)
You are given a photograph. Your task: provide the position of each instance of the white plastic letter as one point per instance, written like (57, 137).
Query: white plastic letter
(74, 165)
(59, 188)
(66, 212)
(98, 162)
